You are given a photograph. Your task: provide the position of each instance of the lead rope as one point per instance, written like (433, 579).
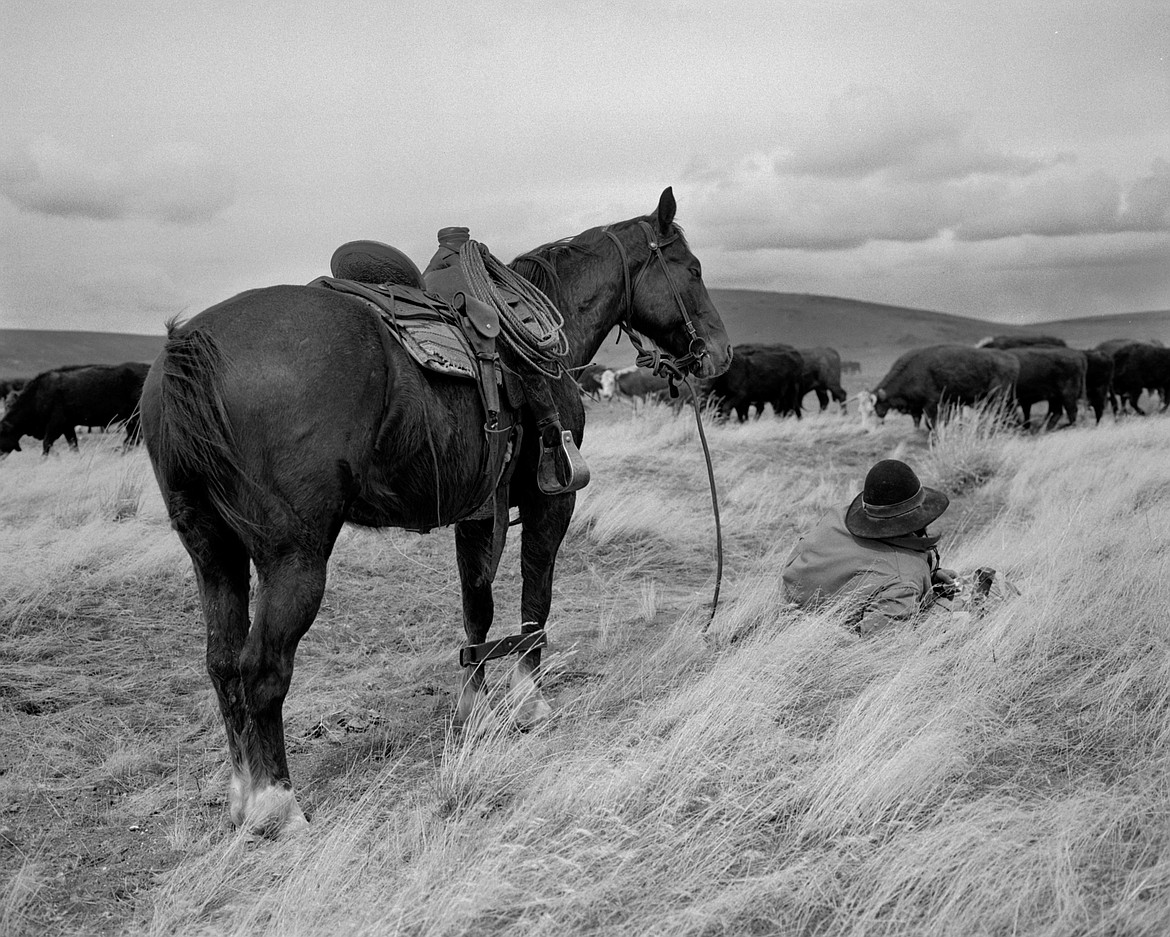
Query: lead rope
(714, 504)
(665, 366)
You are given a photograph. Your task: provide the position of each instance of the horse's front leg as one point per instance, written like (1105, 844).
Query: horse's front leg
(545, 520)
(478, 547)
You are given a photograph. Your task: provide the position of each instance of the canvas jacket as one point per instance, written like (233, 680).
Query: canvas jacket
(883, 583)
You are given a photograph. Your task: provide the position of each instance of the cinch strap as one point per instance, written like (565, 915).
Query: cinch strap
(895, 510)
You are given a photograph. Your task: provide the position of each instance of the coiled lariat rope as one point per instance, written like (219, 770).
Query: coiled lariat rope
(540, 341)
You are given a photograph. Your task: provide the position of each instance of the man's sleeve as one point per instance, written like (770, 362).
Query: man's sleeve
(896, 602)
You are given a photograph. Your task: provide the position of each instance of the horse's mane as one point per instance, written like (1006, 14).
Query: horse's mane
(541, 266)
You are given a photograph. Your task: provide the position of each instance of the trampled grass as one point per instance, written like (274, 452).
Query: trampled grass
(1007, 774)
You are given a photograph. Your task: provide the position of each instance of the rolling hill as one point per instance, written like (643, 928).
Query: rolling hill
(25, 352)
(871, 333)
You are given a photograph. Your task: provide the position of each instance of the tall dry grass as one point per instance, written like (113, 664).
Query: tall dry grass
(1007, 774)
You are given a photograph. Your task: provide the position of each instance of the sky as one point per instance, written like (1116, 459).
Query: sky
(1003, 159)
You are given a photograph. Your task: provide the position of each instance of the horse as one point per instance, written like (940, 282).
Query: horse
(273, 418)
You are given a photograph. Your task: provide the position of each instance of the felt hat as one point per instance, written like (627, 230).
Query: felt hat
(894, 503)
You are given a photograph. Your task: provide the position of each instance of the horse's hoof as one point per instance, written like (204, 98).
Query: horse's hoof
(532, 713)
(274, 812)
(470, 708)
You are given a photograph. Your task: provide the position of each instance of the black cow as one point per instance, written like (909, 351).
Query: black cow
(54, 402)
(758, 374)
(850, 367)
(923, 377)
(822, 374)
(1099, 381)
(1139, 366)
(10, 388)
(1004, 342)
(1052, 374)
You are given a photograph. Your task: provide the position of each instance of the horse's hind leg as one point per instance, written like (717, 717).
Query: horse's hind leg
(545, 521)
(290, 587)
(221, 570)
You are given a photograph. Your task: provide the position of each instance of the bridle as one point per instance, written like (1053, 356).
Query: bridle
(663, 364)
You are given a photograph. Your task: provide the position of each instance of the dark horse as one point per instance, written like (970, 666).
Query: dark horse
(275, 417)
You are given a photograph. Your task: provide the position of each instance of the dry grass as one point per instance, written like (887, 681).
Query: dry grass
(1003, 775)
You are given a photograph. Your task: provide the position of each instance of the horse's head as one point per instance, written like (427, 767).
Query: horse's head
(666, 299)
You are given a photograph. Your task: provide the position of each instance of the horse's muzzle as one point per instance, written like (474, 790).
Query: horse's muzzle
(712, 364)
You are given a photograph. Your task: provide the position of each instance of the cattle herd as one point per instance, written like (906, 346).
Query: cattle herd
(1022, 370)
(1019, 370)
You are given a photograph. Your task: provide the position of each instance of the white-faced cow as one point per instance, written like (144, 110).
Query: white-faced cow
(589, 380)
(638, 385)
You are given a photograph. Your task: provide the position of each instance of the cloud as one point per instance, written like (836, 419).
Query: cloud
(868, 131)
(876, 171)
(178, 183)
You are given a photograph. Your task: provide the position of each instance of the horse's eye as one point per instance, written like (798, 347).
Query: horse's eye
(696, 272)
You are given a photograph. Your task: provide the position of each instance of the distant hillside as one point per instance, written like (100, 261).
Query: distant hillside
(876, 334)
(25, 352)
(871, 333)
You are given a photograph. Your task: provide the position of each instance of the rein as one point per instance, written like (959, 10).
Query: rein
(669, 367)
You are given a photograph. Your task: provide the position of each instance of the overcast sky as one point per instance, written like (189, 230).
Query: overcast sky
(1006, 160)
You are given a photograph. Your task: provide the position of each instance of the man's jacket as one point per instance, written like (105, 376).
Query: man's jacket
(883, 582)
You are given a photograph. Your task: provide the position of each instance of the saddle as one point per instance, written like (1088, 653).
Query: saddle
(444, 328)
(445, 339)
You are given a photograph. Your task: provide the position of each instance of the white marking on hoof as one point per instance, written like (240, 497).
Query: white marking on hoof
(238, 792)
(274, 811)
(471, 702)
(525, 702)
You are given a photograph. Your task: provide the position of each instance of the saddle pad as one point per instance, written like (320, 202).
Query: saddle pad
(437, 346)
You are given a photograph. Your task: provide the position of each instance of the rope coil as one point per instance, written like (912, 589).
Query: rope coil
(539, 341)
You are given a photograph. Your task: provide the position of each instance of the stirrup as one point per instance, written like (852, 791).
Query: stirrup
(561, 468)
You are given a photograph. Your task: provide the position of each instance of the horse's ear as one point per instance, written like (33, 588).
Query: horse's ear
(666, 209)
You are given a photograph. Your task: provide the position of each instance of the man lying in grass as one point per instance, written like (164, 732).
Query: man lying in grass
(876, 552)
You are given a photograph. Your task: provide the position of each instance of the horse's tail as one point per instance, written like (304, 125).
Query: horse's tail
(195, 447)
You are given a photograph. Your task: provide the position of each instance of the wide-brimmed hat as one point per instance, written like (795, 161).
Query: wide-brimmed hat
(894, 503)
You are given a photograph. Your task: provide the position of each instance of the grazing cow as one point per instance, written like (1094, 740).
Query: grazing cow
(822, 374)
(1052, 374)
(1099, 381)
(589, 380)
(923, 377)
(1004, 342)
(850, 367)
(10, 388)
(53, 403)
(638, 384)
(758, 374)
(1139, 366)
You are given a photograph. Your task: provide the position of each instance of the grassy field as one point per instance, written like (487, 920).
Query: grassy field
(1004, 775)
